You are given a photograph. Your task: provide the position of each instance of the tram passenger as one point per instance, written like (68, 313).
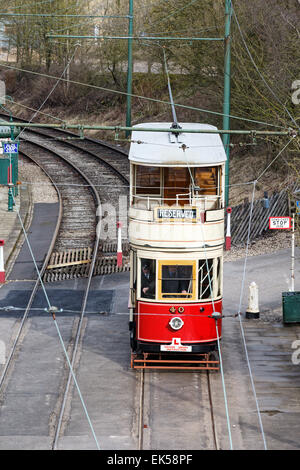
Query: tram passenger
(173, 280)
(147, 281)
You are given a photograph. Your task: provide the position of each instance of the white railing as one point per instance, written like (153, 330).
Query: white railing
(203, 202)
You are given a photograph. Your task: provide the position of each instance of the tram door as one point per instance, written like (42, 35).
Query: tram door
(176, 186)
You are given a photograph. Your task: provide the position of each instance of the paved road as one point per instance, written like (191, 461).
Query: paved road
(272, 274)
(109, 385)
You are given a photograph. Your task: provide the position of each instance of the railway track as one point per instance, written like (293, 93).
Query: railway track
(173, 407)
(106, 168)
(76, 230)
(85, 188)
(87, 200)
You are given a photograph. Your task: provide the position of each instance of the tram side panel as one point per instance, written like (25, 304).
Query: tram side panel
(161, 315)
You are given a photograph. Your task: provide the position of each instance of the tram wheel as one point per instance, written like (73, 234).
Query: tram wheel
(133, 343)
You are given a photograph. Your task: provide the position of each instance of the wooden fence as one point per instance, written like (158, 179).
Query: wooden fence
(278, 206)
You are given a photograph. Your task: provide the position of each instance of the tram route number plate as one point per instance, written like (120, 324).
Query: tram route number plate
(280, 223)
(175, 346)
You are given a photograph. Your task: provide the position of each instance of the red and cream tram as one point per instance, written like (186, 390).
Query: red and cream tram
(176, 235)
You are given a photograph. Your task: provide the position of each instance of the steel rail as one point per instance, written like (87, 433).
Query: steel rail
(79, 328)
(39, 131)
(37, 283)
(75, 340)
(141, 410)
(88, 151)
(84, 302)
(213, 424)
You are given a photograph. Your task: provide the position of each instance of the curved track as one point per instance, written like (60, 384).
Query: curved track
(79, 214)
(106, 169)
(170, 405)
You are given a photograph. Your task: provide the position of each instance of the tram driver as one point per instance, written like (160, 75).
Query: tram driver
(173, 280)
(147, 281)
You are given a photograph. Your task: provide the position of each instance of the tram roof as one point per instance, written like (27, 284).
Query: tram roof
(164, 149)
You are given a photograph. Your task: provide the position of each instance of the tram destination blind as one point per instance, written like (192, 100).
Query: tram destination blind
(186, 214)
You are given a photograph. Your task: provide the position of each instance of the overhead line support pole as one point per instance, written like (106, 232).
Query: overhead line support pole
(130, 67)
(226, 101)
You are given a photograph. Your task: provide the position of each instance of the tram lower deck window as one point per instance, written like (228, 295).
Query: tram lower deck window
(205, 277)
(176, 281)
(209, 278)
(148, 278)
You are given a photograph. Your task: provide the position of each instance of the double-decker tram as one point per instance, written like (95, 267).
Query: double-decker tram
(176, 236)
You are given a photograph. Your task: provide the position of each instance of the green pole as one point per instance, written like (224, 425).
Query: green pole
(10, 198)
(10, 186)
(129, 70)
(226, 102)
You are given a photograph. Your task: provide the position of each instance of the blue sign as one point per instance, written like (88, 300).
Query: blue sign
(298, 207)
(10, 148)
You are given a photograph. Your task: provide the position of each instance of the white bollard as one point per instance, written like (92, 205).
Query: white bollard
(2, 271)
(253, 308)
(119, 246)
(228, 233)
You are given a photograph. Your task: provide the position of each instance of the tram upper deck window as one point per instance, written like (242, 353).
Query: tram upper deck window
(148, 278)
(176, 185)
(147, 180)
(177, 280)
(207, 178)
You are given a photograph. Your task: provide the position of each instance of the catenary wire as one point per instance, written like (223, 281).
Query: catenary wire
(259, 73)
(56, 326)
(241, 323)
(110, 90)
(52, 89)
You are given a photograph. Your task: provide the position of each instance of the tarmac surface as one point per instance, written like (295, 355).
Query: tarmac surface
(10, 226)
(33, 392)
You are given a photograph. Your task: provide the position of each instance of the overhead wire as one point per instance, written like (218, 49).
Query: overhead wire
(110, 90)
(259, 72)
(218, 341)
(52, 89)
(56, 324)
(254, 184)
(175, 124)
(25, 6)
(241, 324)
(178, 10)
(242, 292)
(43, 286)
(239, 315)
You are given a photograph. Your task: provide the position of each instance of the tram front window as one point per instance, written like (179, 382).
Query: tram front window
(147, 180)
(207, 180)
(177, 281)
(148, 278)
(176, 186)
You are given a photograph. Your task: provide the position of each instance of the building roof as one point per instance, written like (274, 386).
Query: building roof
(164, 149)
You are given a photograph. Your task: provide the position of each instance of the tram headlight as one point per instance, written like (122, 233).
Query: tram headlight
(176, 323)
